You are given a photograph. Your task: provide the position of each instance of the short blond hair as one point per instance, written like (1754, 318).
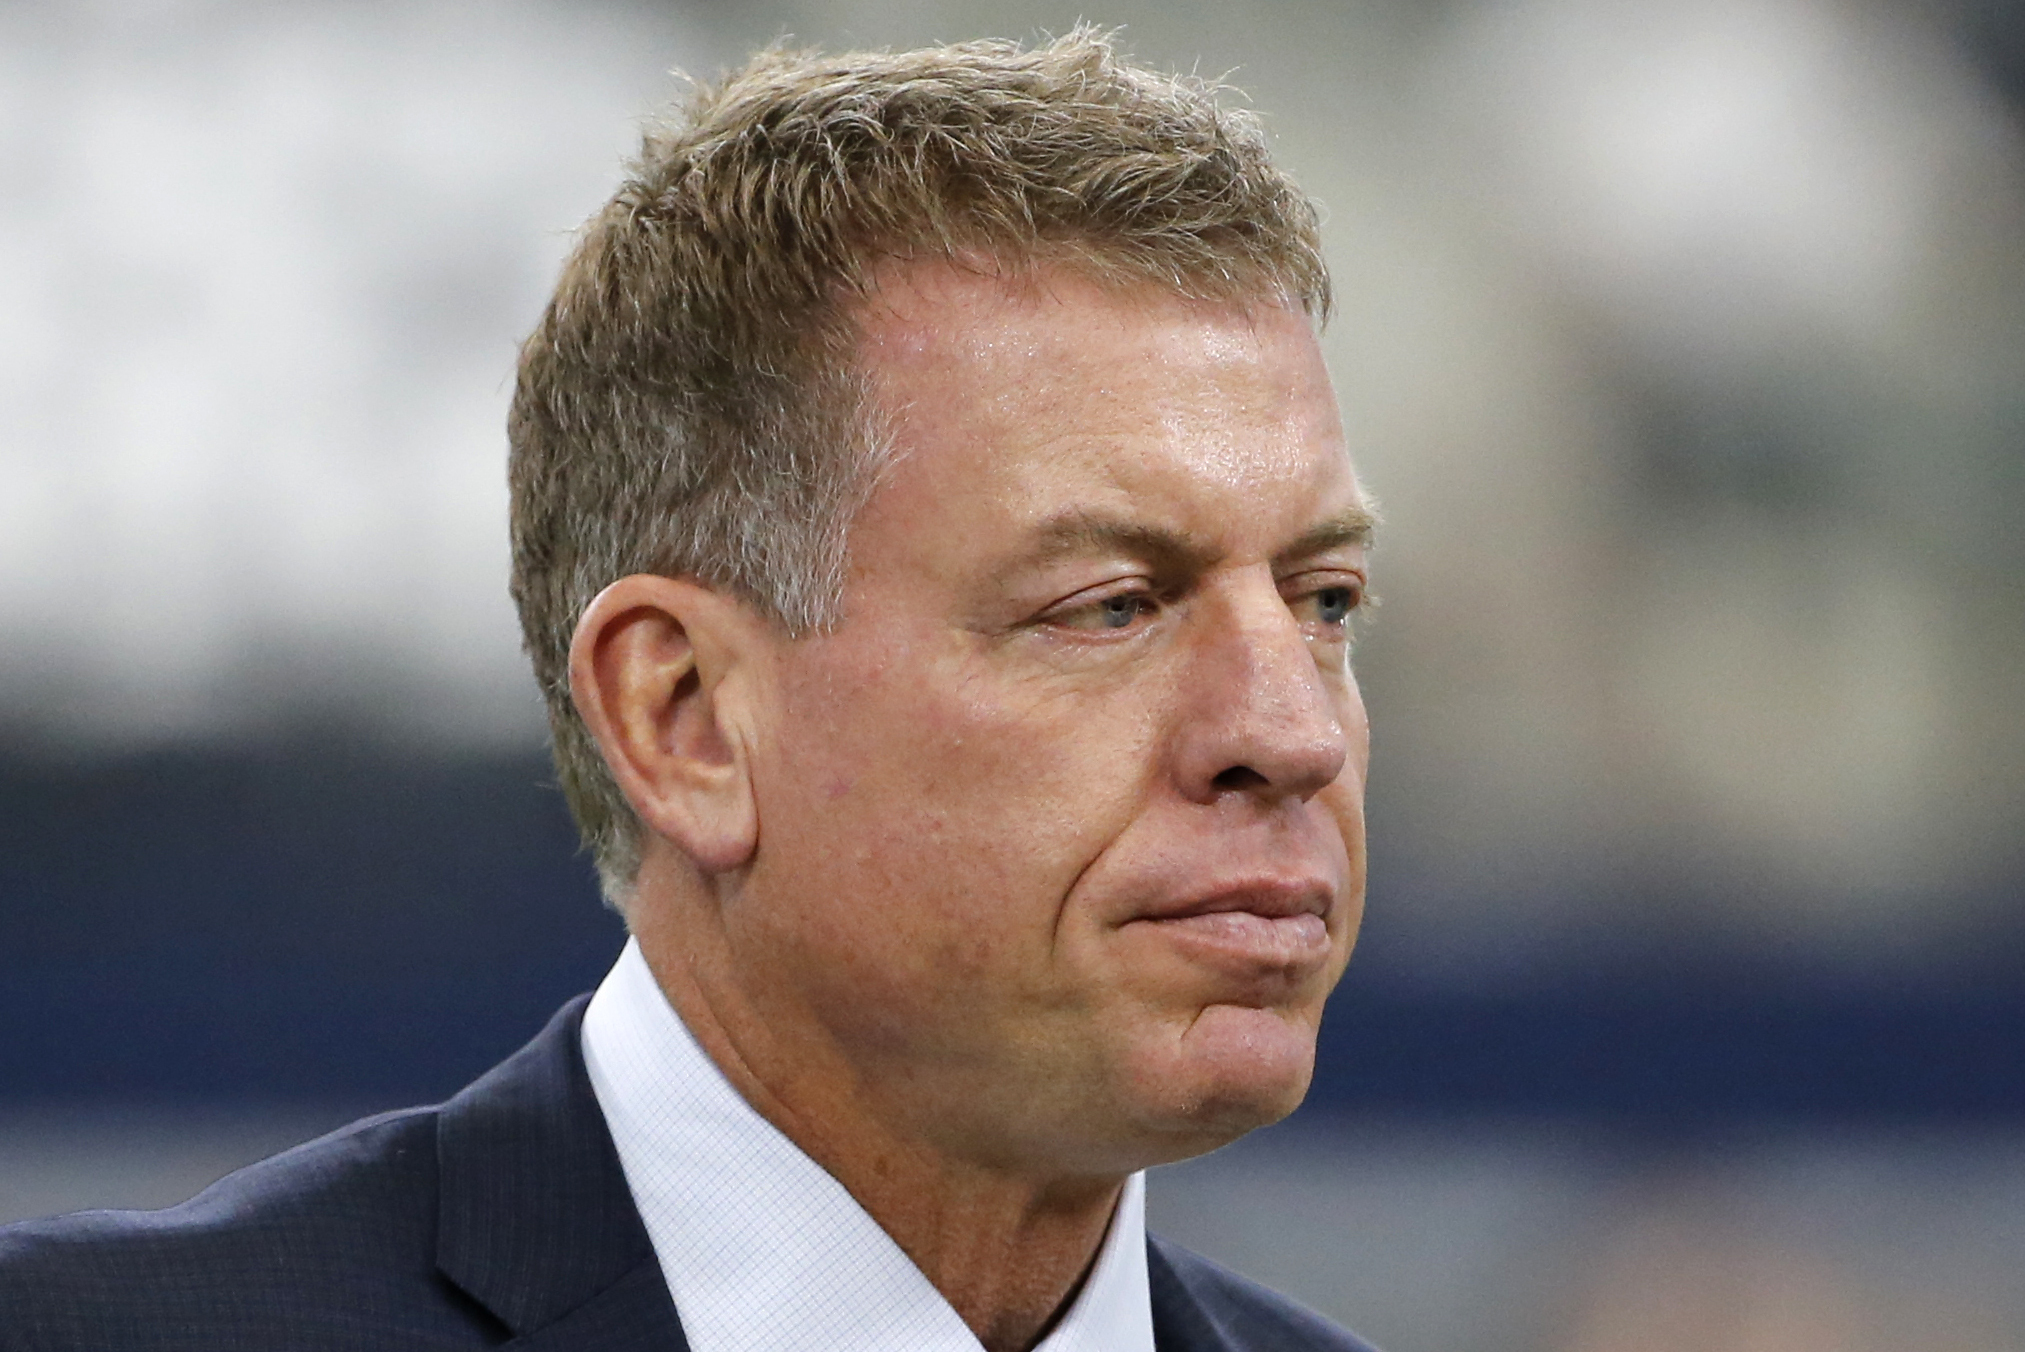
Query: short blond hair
(690, 405)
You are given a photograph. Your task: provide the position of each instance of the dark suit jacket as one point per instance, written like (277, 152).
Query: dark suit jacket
(498, 1219)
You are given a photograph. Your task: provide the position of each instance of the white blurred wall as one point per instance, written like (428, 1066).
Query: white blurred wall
(266, 267)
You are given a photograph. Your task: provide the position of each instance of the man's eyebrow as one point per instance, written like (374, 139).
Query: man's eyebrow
(1081, 532)
(1350, 528)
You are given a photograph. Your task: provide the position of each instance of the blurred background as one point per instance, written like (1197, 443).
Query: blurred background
(1683, 340)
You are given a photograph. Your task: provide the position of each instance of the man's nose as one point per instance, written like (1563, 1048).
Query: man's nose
(1261, 717)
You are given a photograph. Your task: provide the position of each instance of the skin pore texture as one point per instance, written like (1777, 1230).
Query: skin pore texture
(1037, 868)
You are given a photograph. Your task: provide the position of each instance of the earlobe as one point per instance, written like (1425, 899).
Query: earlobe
(657, 669)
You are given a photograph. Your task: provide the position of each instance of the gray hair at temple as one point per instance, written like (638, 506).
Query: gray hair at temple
(690, 404)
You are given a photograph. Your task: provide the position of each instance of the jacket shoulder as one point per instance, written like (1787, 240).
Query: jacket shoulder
(1202, 1306)
(329, 1245)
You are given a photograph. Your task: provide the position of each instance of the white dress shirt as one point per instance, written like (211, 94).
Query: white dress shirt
(762, 1249)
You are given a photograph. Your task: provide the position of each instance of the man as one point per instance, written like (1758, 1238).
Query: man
(935, 539)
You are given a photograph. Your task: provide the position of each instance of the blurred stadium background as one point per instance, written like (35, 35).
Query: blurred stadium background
(1684, 341)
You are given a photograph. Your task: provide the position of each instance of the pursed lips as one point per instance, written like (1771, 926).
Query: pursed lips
(1275, 899)
(1277, 923)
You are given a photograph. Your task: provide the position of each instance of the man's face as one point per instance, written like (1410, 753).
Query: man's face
(1061, 829)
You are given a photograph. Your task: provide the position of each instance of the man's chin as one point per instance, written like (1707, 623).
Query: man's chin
(1233, 1070)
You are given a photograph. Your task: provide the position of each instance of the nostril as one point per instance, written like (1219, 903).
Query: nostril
(1240, 777)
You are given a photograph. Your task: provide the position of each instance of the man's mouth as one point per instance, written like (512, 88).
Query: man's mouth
(1253, 927)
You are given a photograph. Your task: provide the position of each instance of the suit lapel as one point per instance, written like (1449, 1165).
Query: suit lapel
(535, 1221)
(1180, 1322)
(632, 1313)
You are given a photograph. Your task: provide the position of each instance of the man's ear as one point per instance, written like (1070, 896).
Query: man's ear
(658, 669)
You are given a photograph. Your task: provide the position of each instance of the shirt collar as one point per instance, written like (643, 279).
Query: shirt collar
(760, 1246)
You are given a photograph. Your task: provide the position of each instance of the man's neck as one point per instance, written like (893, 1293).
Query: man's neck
(1007, 1251)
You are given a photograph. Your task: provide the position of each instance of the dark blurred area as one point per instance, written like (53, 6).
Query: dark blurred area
(305, 921)
(324, 921)
(1684, 344)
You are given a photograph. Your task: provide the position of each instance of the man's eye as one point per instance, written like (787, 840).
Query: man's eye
(1329, 606)
(1113, 612)
(1334, 604)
